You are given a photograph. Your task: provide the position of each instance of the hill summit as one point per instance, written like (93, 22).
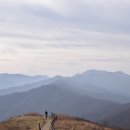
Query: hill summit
(63, 122)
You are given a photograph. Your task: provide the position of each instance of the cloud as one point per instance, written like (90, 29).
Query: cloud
(67, 39)
(108, 16)
(64, 33)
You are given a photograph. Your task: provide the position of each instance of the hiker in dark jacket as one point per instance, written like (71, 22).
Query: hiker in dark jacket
(46, 114)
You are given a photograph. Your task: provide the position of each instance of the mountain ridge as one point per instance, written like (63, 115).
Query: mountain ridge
(12, 80)
(79, 95)
(37, 98)
(31, 121)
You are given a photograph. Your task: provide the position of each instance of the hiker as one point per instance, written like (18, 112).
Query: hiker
(46, 114)
(40, 127)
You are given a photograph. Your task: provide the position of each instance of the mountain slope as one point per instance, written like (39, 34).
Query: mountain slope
(83, 83)
(110, 86)
(70, 123)
(121, 119)
(97, 84)
(23, 122)
(51, 96)
(114, 81)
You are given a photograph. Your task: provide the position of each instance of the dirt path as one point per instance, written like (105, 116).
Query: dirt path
(47, 124)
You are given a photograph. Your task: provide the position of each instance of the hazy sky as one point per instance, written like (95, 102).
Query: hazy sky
(64, 36)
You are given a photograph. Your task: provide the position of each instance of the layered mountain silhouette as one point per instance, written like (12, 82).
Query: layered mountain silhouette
(12, 80)
(99, 84)
(56, 98)
(115, 81)
(29, 86)
(93, 95)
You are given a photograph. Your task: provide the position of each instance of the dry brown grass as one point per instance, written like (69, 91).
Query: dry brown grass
(25, 122)
(31, 121)
(69, 123)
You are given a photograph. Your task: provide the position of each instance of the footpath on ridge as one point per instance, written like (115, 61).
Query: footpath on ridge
(49, 123)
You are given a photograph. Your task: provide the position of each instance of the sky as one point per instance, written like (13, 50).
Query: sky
(64, 37)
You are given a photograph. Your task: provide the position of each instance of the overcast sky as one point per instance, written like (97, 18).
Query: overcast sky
(64, 36)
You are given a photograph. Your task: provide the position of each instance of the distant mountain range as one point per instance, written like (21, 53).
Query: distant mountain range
(13, 80)
(98, 84)
(93, 95)
(29, 86)
(115, 81)
(56, 98)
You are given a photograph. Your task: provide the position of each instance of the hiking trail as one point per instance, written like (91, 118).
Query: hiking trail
(49, 123)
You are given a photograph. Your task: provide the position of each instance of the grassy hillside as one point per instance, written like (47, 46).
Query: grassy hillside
(24, 122)
(70, 123)
(31, 121)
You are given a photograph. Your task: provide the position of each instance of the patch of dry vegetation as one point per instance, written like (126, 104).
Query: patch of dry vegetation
(31, 121)
(69, 123)
(25, 122)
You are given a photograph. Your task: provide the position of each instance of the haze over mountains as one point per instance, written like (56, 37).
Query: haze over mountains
(121, 118)
(12, 80)
(95, 95)
(99, 84)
